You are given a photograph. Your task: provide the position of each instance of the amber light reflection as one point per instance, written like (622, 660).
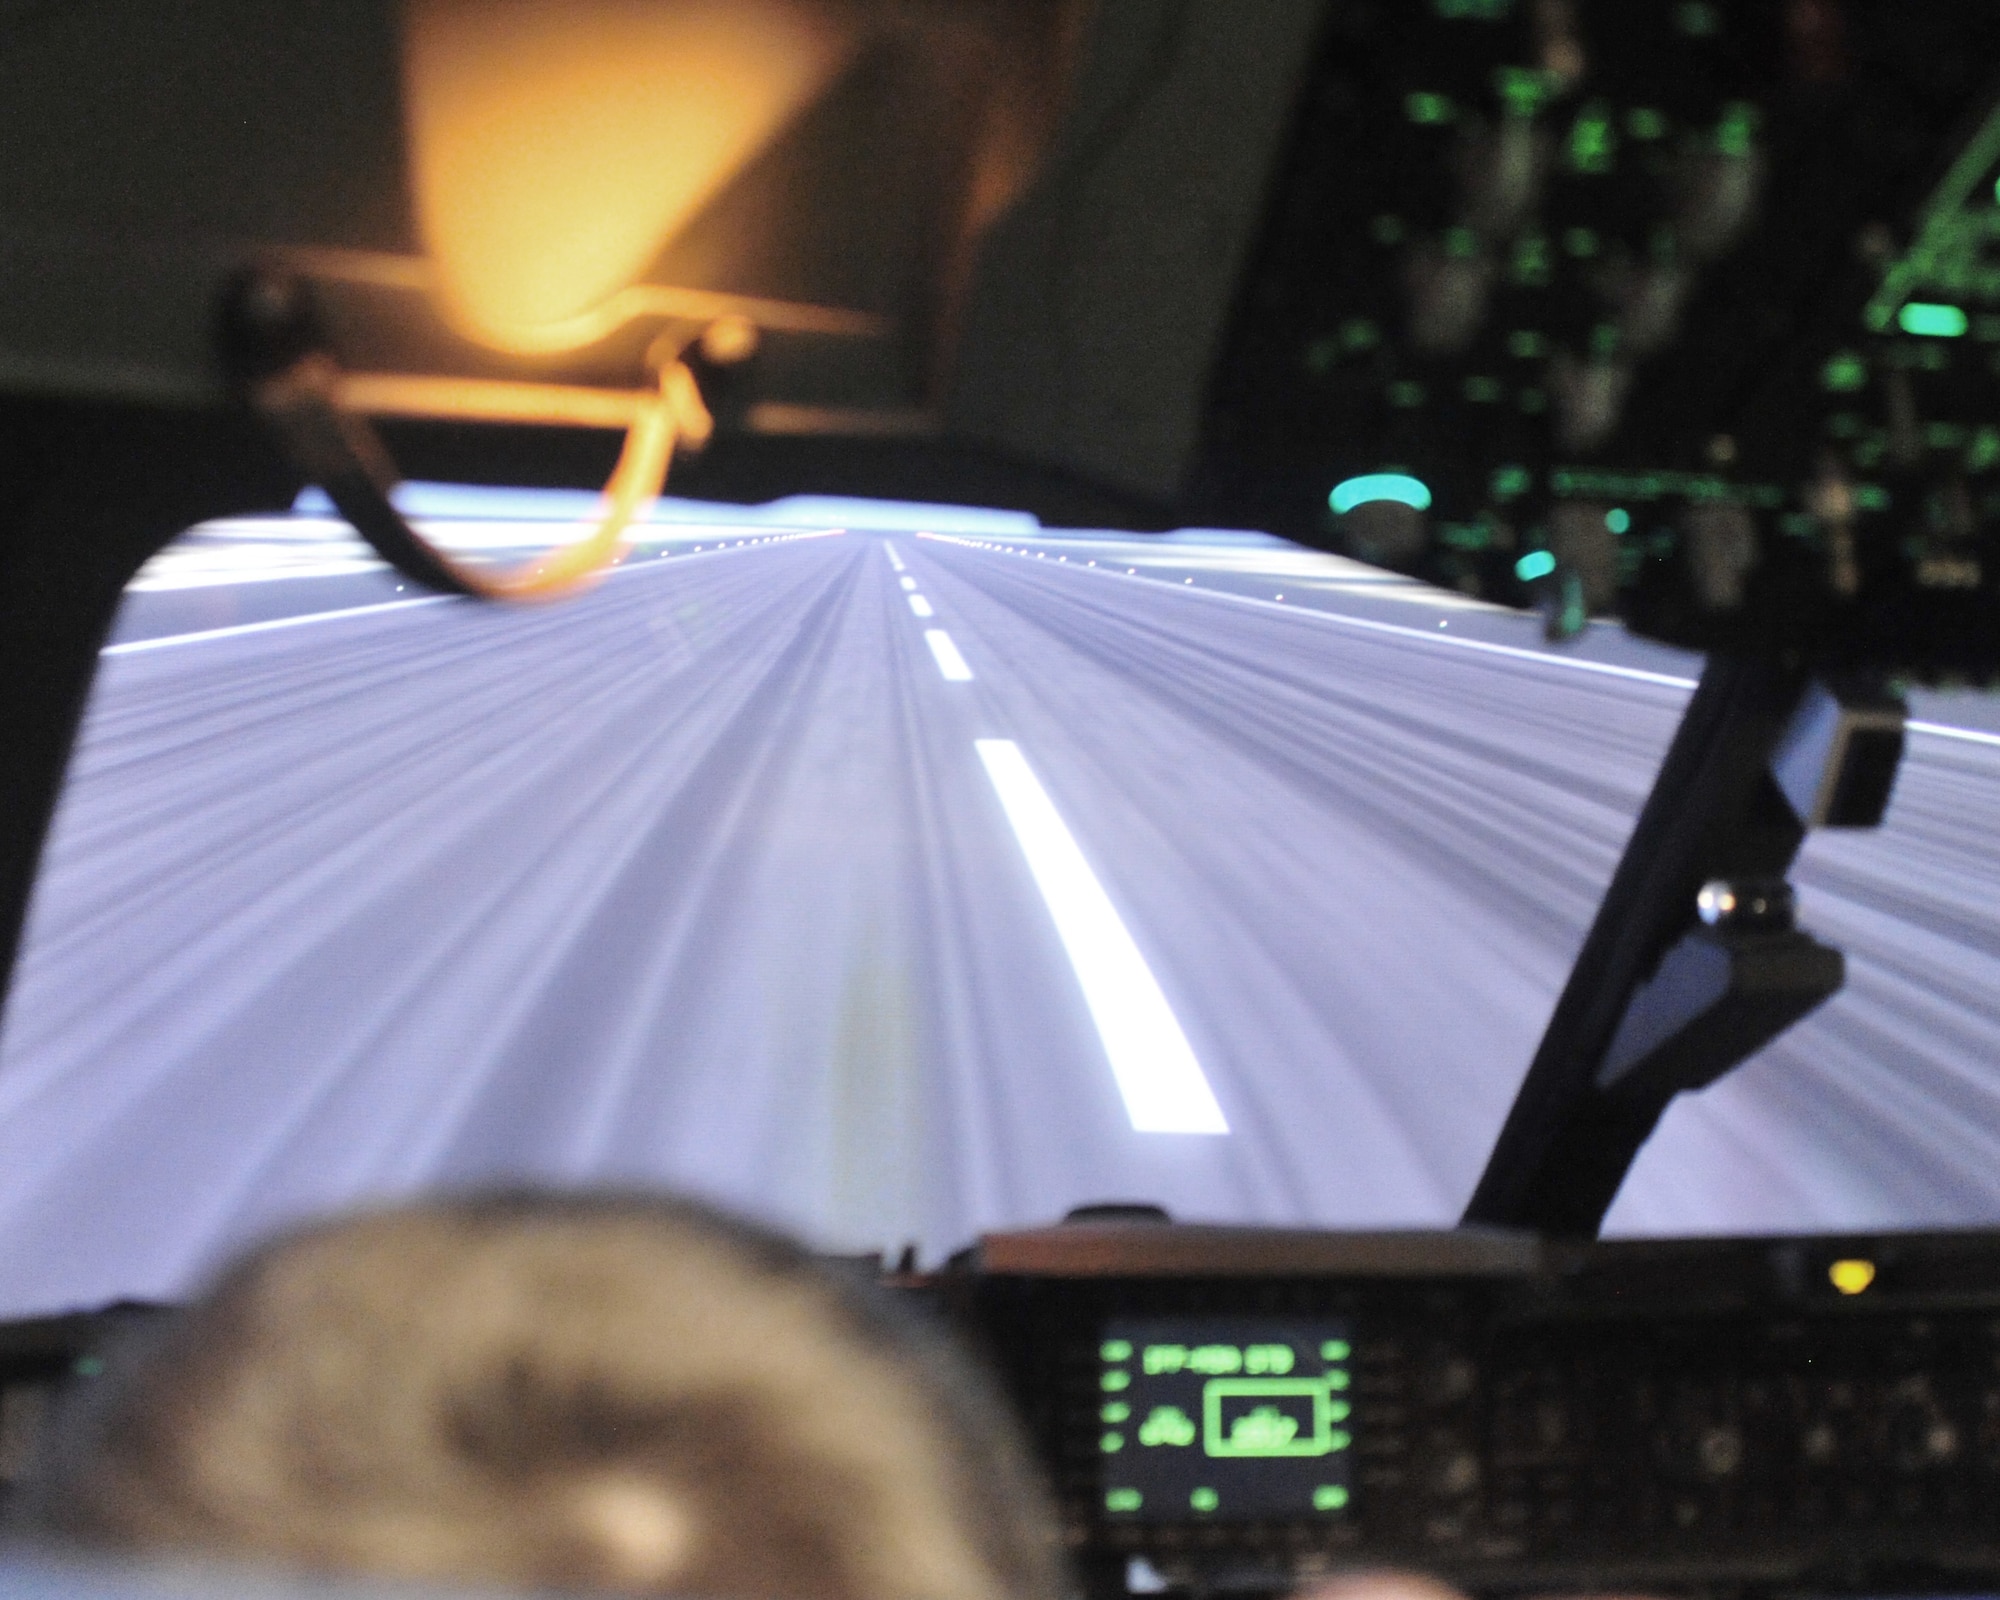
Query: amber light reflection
(557, 147)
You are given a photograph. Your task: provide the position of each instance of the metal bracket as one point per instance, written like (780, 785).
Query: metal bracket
(1693, 963)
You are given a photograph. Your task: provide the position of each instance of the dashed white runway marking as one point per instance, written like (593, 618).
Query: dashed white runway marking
(921, 606)
(949, 661)
(1164, 1088)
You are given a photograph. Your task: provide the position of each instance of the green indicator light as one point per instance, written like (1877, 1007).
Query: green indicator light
(1509, 483)
(1168, 1427)
(1204, 1499)
(1429, 110)
(1527, 345)
(1524, 90)
(1406, 395)
(1618, 520)
(1932, 322)
(1339, 1410)
(1329, 1497)
(1340, 1349)
(1604, 339)
(1531, 262)
(88, 1366)
(1736, 133)
(1123, 1500)
(1339, 1439)
(1111, 1443)
(1112, 1382)
(1461, 244)
(1871, 497)
(1376, 486)
(1845, 373)
(1117, 1411)
(1593, 141)
(1535, 564)
(1336, 1380)
(1581, 243)
(1115, 1350)
(1985, 451)
(1646, 124)
(1697, 21)
(1359, 335)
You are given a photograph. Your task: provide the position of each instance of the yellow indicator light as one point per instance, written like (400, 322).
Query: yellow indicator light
(1851, 1277)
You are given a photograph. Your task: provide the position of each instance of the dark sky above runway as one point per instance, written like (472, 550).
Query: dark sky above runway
(732, 876)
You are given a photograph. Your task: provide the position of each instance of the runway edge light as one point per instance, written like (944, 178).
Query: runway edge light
(1396, 486)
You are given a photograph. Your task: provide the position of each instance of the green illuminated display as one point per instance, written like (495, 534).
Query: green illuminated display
(1535, 564)
(1933, 321)
(1429, 110)
(1168, 1427)
(1226, 1418)
(1618, 520)
(1269, 1417)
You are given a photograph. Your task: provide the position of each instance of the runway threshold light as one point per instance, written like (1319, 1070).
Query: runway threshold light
(1397, 487)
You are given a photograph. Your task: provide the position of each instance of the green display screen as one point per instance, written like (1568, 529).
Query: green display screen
(1225, 1418)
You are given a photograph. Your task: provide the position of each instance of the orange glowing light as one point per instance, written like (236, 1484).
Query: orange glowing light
(557, 148)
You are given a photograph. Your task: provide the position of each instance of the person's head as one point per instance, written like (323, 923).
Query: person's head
(613, 1393)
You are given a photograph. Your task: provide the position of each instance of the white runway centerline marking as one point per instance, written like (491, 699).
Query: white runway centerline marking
(949, 661)
(909, 585)
(1157, 1074)
(895, 560)
(921, 606)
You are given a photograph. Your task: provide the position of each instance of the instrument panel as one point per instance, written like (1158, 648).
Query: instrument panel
(1781, 1415)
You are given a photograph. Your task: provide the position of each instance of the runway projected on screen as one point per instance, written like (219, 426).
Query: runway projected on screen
(1163, 1085)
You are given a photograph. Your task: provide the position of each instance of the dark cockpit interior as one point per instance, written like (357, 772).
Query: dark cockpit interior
(1284, 704)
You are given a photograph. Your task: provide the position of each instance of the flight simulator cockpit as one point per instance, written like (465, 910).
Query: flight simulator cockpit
(1208, 681)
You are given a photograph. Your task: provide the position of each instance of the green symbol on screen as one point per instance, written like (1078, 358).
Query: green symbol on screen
(1117, 1411)
(1111, 1443)
(1204, 1499)
(1336, 1380)
(1264, 1431)
(1115, 1350)
(1123, 1500)
(1284, 1417)
(1112, 1382)
(1168, 1425)
(1329, 1497)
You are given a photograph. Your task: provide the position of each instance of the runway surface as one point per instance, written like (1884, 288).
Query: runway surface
(732, 876)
